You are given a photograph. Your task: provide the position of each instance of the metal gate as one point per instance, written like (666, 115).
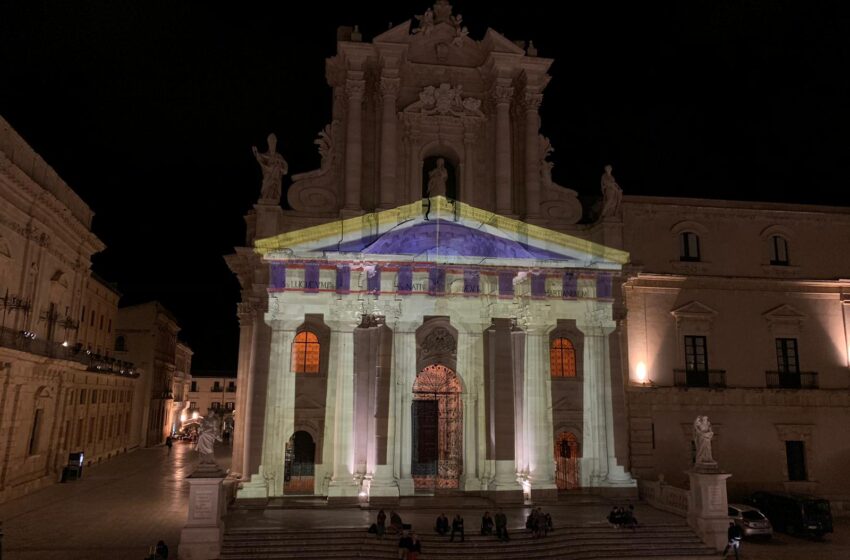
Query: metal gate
(299, 468)
(566, 461)
(437, 454)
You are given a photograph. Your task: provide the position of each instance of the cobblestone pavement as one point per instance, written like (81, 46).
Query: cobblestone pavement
(118, 509)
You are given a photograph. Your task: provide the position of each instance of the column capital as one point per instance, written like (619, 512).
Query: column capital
(532, 100)
(390, 86)
(501, 94)
(355, 89)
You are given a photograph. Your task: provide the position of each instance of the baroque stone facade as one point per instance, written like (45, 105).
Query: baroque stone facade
(60, 389)
(369, 292)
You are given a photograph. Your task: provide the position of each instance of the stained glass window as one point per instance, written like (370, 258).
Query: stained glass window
(305, 353)
(562, 358)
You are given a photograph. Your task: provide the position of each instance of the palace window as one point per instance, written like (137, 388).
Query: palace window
(787, 358)
(120, 344)
(779, 251)
(562, 358)
(305, 353)
(690, 246)
(795, 454)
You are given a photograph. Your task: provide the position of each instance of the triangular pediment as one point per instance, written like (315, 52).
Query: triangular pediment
(694, 309)
(784, 312)
(439, 230)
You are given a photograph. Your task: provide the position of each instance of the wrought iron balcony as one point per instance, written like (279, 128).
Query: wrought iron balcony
(712, 378)
(31, 343)
(792, 380)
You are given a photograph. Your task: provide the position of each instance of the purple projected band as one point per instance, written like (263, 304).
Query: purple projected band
(343, 279)
(471, 282)
(311, 277)
(603, 286)
(278, 275)
(538, 284)
(405, 279)
(436, 280)
(506, 284)
(570, 285)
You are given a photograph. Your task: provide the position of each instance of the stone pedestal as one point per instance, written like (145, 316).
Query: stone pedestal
(505, 489)
(202, 535)
(383, 488)
(708, 506)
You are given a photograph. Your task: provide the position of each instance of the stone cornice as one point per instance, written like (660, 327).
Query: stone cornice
(736, 397)
(731, 210)
(829, 287)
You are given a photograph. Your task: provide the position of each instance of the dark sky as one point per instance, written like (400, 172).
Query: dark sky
(149, 111)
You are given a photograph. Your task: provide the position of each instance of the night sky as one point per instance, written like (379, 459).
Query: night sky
(149, 110)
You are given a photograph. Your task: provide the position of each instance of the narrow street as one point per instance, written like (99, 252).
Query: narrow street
(117, 510)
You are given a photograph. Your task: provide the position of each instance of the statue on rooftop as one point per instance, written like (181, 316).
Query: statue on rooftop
(274, 167)
(612, 195)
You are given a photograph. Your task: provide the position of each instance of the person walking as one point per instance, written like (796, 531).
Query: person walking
(457, 527)
(168, 443)
(735, 535)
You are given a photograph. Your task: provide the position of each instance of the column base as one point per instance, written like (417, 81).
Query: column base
(543, 493)
(253, 489)
(383, 488)
(406, 487)
(343, 492)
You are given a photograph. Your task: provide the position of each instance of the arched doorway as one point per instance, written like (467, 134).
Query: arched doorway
(437, 455)
(566, 461)
(300, 464)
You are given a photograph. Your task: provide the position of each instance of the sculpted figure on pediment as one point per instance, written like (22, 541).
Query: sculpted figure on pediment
(557, 202)
(274, 167)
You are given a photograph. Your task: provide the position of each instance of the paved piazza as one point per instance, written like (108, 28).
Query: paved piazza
(120, 508)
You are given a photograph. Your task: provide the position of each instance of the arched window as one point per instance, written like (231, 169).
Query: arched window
(305, 353)
(779, 251)
(120, 344)
(690, 246)
(562, 358)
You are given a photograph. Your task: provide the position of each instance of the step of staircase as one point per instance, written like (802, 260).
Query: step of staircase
(663, 541)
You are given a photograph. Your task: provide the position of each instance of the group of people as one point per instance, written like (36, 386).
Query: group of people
(409, 545)
(621, 517)
(442, 526)
(538, 522)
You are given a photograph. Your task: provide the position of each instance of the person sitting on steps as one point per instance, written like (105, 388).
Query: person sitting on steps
(442, 525)
(486, 524)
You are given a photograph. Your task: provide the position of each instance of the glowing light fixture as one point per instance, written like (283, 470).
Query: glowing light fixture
(183, 417)
(640, 371)
(195, 415)
(65, 343)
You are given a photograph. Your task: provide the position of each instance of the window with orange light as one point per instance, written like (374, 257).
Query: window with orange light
(562, 358)
(305, 353)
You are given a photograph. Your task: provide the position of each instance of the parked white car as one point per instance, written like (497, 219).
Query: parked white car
(751, 521)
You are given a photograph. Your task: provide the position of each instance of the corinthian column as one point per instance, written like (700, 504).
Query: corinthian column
(502, 99)
(404, 372)
(532, 154)
(599, 463)
(541, 464)
(389, 94)
(343, 486)
(355, 86)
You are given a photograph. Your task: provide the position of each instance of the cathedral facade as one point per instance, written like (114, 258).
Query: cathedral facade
(432, 313)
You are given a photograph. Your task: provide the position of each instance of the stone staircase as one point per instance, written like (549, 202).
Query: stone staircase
(664, 541)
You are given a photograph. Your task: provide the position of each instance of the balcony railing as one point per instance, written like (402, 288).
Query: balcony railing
(217, 390)
(25, 342)
(792, 380)
(699, 378)
(231, 388)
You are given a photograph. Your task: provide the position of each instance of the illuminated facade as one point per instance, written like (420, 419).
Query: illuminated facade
(433, 313)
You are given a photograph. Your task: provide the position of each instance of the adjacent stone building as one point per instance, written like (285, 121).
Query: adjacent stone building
(61, 390)
(147, 335)
(432, 313)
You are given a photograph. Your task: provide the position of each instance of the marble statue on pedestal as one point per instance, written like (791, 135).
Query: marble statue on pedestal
(208, 434)
(702, 443)
(437, 178)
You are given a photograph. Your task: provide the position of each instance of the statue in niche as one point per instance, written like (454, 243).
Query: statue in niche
(612, 195)
(437, 179)
(274, 167)
(702, 443)
(208, 434)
